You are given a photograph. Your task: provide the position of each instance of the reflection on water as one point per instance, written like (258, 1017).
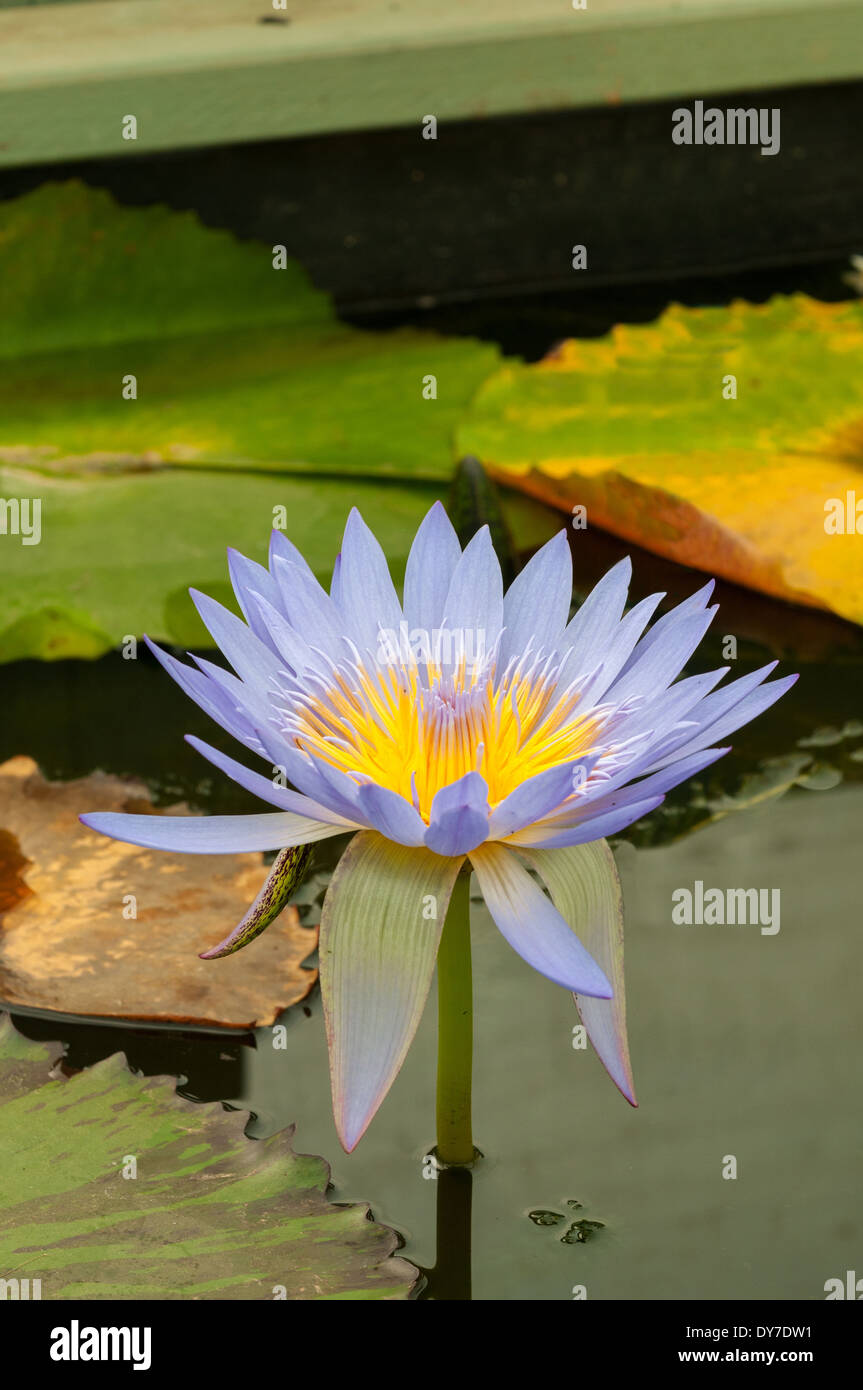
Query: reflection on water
(450, 1277)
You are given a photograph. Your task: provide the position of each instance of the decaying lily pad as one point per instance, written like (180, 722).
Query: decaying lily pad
(95, 927)
(116, 1188)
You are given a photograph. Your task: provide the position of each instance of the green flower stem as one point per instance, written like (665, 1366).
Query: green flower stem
(455, 1030)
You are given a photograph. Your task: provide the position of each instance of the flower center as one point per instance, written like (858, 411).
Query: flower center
(415, 730)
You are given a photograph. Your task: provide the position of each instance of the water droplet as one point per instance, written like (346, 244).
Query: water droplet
(581, 1231)
(546, 1218)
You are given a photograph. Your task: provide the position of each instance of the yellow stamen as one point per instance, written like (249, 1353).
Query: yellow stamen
(392, 729)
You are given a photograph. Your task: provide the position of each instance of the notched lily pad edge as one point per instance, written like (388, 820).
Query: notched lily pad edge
(33, 1052)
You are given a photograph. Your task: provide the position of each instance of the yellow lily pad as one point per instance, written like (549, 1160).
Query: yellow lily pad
(729, 440)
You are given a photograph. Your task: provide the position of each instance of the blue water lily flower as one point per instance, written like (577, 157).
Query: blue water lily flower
(461, 724)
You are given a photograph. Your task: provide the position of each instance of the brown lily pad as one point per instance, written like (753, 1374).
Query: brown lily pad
(69, 941)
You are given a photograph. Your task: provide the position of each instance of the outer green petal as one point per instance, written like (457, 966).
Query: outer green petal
(585, 889)
(378, 947)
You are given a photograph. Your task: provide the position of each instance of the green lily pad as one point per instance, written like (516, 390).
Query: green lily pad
(209, 1214)
(236, 363)
(255, 407)
(119, 553)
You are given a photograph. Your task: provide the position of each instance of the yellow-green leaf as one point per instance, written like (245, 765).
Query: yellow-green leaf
(641, 427)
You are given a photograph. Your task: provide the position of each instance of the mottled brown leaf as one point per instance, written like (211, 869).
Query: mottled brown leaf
(66, 945)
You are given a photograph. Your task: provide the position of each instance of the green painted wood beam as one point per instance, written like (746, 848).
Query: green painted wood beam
(195, 73)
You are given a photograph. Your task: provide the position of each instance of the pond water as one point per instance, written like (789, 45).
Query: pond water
(745, 1043)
